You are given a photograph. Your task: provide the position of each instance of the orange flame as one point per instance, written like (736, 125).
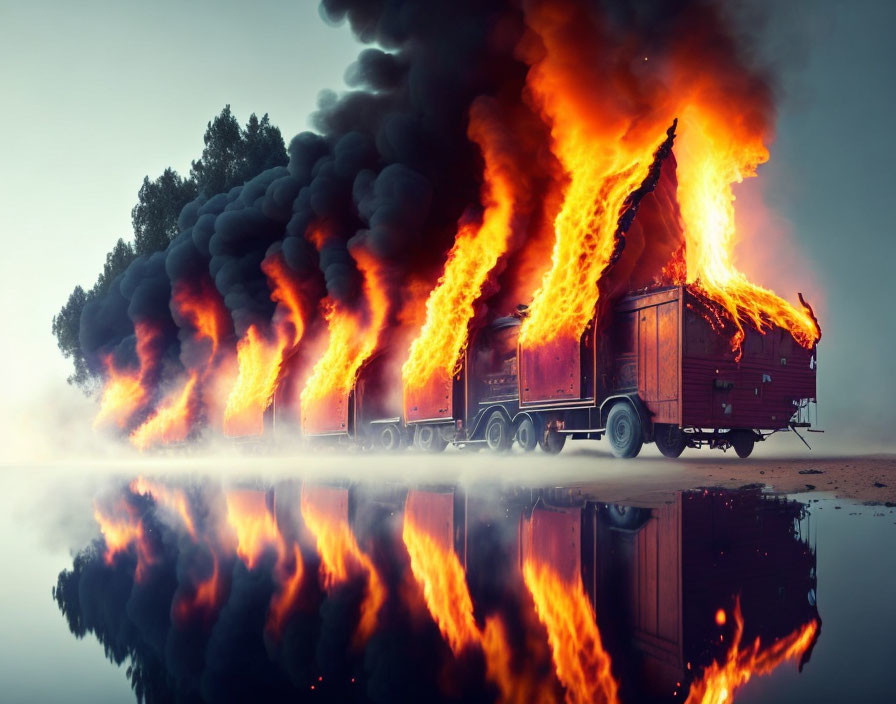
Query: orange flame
(476, 251)
(288, 572)
(200, 307)
(353, 338)
(721, 680)
(285, 293)
(600, 180)
(258, 360)
(257, 533)
(196, 306)
(342, 558)
(204, 597)
(438, 572)
(582, 664)
(254, 526)
(174, 500)
(441, 577)
(604, 157)
(120, 532)
(711, 158)
(171, 421)
(126, 392)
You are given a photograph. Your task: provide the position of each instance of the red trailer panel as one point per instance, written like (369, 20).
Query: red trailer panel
(550, 372)
(658, 355)
(328, 416)
(758, 390)
(679, 348)
(377, 392)
(431, 402)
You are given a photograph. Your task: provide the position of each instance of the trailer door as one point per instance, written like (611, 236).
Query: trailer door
(658, 360)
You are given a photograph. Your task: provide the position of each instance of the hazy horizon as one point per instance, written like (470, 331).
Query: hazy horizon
(100, 95)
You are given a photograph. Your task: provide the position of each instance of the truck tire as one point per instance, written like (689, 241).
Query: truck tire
(625, 517)
(742, 441)
(551, 441)
(429, 439)
(624, 431)
(498, 435)
(390, 438)
(526, 436)
(669, 439)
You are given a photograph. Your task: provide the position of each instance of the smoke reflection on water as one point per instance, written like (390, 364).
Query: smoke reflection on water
(730, 543)
(131, 592)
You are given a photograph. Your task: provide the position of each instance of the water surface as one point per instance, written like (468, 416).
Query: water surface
(126, 587)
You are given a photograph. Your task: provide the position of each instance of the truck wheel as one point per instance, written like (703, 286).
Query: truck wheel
(429, 439)
(390, 438)
(626, 517)
(497, 433)
(669, 439)
(552, 442)
(525, 434)
(624, 431)
(742, 441)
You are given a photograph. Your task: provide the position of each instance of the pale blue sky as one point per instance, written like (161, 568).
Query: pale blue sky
(95, 95)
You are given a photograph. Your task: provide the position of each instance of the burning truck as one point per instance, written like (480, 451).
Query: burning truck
(524, 252)
(665, 364)
(661, 369)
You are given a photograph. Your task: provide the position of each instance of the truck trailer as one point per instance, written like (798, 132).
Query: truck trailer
(660, 368)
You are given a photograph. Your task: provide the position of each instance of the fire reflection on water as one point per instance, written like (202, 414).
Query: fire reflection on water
(531, 600)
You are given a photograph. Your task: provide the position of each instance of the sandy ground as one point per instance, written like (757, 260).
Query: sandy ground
(867, 479)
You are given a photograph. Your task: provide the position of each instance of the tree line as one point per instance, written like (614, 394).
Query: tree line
(232, 155)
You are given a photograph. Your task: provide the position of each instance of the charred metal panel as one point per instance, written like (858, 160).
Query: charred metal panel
(550, 372)
(552, 536)
(622, 349)
(654, 298)
(491, 360)
(430, 402)
(376, 392)
(328, 416)
(757, 391)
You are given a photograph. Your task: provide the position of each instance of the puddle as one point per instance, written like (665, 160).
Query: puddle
(206, 591)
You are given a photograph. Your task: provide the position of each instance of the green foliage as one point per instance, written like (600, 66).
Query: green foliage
(67, 323)
(117, 262)
(264, 147)
(220, 165)
(158, 206)
(66, 328)
(231, 156)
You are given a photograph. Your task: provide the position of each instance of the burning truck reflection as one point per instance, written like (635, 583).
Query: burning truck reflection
(362, 593)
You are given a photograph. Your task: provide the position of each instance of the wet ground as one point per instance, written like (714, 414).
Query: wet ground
(646, 581)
